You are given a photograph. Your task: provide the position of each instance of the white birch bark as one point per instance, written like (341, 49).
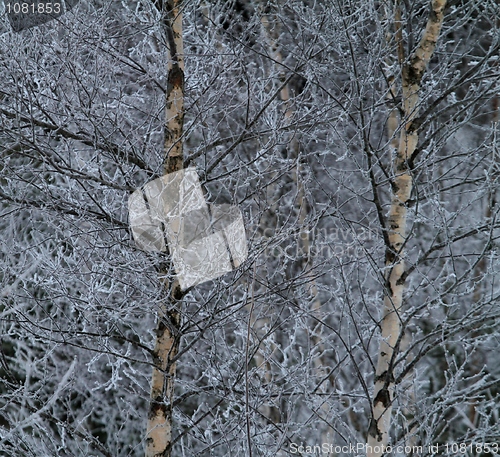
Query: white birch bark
(383, 396)
(159, 425)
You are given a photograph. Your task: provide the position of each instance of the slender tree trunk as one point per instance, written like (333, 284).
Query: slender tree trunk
(395, 41)
(271, 33)
(159, 426)
(477, 359)
(378, 433)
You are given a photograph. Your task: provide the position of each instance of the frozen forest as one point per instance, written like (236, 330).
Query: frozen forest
(359, 141)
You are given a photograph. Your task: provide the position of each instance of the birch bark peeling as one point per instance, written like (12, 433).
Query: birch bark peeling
(175, 87)
(383, 397)
(159, 425)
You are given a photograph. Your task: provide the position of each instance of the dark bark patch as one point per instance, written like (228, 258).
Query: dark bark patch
(374, 431)
(401, 280)
(175, 78)
(414, 76)
(385, 376)
(402, 167)
(390, 256)
(383, 397)
(433, 17)
(173, 164)
(157, 407)
(160, 328)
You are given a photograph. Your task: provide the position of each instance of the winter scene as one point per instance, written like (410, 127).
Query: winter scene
(249, 228)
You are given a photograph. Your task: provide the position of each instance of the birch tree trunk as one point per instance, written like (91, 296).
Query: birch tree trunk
(396, 226)
(159, 426)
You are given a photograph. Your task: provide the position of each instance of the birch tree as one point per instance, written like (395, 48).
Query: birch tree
(396, 234)
(159, 426)
(87, 116)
